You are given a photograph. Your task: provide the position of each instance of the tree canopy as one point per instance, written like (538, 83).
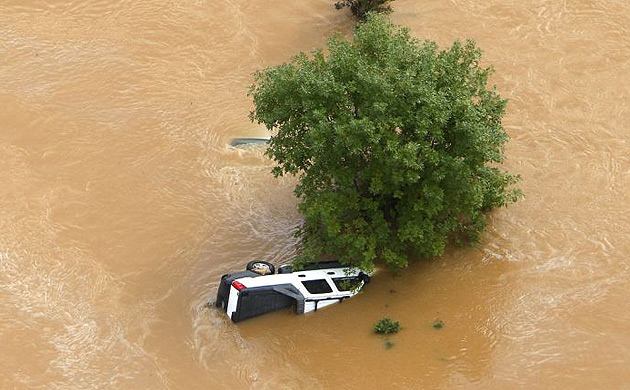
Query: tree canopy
(361, 8)
(396, 144)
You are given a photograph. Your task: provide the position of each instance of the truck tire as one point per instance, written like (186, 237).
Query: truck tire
(261, 267)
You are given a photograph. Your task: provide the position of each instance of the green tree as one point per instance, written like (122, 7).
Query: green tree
(396, 144)
(361, 8)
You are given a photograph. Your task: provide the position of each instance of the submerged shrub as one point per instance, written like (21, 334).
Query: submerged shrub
(386, 326)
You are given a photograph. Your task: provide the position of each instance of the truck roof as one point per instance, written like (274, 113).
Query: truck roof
(267, 280)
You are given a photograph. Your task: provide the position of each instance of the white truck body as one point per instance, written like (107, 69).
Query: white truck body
(247, 294)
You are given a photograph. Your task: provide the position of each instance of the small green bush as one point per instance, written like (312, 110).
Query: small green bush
(386, 326)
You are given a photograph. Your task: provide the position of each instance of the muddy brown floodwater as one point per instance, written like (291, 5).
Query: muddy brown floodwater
(120, 205)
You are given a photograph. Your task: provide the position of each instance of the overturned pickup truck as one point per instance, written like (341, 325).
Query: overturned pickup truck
(259, 290)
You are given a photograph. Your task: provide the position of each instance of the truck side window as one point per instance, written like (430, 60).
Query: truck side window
(318, 286)
(346, 283)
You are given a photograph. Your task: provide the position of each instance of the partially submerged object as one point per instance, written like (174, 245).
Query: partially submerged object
(259, 290)
(245, 142)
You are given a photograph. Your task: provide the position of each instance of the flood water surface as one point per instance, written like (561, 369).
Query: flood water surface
(121, 205)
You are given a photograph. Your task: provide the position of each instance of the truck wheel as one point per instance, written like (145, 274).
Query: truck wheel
(364, 277)
(261, 267)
